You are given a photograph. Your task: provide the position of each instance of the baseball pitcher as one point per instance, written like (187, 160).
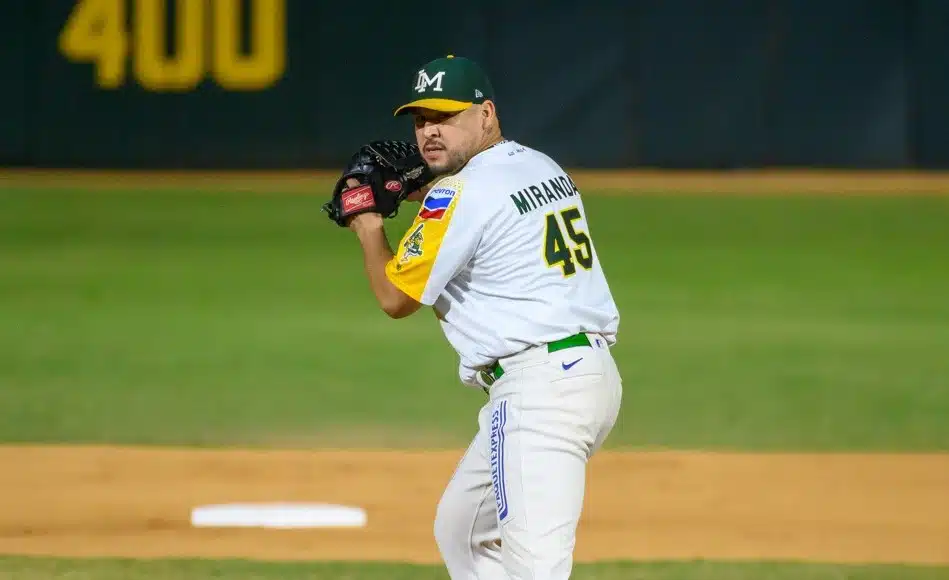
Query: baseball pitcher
(502, 251)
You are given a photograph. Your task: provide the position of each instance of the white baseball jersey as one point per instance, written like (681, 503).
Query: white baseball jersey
(503, 253)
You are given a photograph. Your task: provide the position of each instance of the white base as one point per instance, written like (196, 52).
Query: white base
(278, 515)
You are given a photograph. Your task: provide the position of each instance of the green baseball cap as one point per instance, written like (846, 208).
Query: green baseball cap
(450, 84)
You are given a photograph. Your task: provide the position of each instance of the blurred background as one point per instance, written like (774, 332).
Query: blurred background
(663, 83)
(759, 320)
(226, 304)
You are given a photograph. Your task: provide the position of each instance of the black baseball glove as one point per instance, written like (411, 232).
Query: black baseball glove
(387, 171)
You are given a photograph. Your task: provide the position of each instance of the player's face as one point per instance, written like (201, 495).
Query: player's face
(447, 140)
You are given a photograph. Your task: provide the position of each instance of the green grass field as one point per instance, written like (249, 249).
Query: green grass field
(49, 569)
(751, 323)
(216, 319)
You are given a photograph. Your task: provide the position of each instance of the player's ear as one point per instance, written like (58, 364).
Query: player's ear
(488, 113)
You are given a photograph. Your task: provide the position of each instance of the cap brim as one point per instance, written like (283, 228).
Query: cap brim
(442, 105)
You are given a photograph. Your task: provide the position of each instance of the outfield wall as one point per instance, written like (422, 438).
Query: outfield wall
(300, 84)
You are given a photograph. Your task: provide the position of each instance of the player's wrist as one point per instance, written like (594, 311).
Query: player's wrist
(366, 223)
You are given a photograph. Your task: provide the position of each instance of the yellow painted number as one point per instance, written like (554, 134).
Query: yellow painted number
(266, 61)
(96, 32)
(183, 69)
(557, 252)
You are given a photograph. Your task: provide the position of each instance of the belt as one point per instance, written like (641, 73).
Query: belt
(495, 372)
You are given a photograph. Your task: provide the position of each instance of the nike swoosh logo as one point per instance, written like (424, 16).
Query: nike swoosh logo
(567, 366)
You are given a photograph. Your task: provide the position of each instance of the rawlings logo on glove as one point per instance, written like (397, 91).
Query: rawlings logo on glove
(387, 172)
(356, 199)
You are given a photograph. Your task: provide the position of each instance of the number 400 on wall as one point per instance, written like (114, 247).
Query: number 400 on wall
(97, 32)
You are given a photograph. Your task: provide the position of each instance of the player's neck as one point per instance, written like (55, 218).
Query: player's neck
(490, 141)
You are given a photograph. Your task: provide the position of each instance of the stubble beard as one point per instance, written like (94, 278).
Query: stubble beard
(456, 160)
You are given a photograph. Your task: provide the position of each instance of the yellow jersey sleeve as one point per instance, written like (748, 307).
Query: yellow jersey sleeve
(437, 244)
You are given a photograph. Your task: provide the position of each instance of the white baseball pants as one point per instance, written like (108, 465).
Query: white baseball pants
(512, 507)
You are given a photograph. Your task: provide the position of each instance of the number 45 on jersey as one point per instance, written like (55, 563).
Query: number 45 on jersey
(557, 251)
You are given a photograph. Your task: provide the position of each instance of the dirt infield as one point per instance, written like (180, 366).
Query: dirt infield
(735, 182)
(102, 501)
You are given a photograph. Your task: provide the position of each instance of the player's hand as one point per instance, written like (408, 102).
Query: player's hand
(363, 221)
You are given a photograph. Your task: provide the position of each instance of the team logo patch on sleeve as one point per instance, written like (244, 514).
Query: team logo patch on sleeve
(436, 203)
(412, 247)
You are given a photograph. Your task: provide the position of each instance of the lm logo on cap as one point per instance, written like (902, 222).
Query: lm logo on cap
(426, 81)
